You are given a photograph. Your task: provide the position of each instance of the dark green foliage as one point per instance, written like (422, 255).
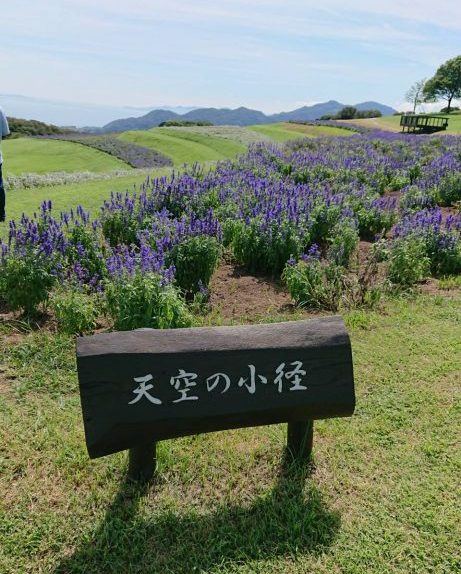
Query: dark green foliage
(446, 83)
(367, 114)
(343, 242)
(325, 285)
(26, 281)
(184, 123)
(408, 261)
(119, 228)
(141, 300)
(75, 311)
(347, 113)
(33, 128)
(266, 250)
(449, 189)
(195, 260)
(314, 284)
(373, 221)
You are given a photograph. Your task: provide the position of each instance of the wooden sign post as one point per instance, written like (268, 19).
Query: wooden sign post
(142, 386)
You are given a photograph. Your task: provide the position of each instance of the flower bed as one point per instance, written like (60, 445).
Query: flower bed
(299, 211)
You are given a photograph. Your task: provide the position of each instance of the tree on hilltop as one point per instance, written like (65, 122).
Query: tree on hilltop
(445, 84)
(415, 94)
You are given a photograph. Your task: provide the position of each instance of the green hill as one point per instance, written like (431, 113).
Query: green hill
(27, 155)
(184, 146)
(284, 132)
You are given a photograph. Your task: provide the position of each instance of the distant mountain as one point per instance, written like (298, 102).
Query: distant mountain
(238, 117)
(153, 118)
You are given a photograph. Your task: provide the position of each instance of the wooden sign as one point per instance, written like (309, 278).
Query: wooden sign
(142, 386)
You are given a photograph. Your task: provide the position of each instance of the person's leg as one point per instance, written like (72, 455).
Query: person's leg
(2, 197)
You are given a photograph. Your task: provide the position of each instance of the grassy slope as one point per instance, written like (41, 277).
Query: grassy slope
(382, 498)
(183, 146)
(285, 131)
(392, 123)
(90, 194)
(27, 155)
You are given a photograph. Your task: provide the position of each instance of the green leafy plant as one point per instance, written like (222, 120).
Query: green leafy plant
(408, 261)
(266, 248)
(75, 311)
(343, 243)
(142, 300)
(26, 280)
(195, 260)
(315, 285)
(449, 189)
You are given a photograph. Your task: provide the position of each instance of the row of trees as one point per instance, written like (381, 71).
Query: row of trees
(445, 84)
(352, 113)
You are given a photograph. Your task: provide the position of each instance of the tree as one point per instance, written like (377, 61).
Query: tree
(445, 84)
(415, 94)
(347, 113)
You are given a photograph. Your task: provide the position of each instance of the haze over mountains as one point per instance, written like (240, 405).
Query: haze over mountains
(239, 117)
(63, 113)
(136, 118)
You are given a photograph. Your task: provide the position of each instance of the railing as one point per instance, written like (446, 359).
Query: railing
(423, 123)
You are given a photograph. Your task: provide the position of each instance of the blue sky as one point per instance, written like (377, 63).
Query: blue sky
(269, 55)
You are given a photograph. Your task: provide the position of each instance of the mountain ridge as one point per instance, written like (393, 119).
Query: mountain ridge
(241, 116)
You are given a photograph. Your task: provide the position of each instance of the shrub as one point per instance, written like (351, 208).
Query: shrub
(415, 198)
(75, 311)
(449, 189)
(195, 260)
(143, 300)
(314, 284)
(120, 227)
(408, 261)
(374, 219)
(266, 248)
(343, 242)
(26, 280)
(325, 285)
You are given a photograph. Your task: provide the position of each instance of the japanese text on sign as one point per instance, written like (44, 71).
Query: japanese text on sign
(287, 377)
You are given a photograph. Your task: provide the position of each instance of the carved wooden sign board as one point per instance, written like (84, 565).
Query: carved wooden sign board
(142, 386)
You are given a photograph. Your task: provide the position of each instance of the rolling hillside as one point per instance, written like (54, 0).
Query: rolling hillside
(27, 155)
(240, 117)
(284, 132)
(183, 146)
(392, 123)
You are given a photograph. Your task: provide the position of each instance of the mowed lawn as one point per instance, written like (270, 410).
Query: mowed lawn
(382, 496)
(28, 155)
(89, 194)
(284, 132)
(392, 123)
(185, 147)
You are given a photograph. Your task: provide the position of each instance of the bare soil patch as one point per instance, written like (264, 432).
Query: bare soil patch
(236, 293)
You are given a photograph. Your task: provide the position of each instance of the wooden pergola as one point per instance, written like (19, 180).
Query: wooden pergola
(423, 124)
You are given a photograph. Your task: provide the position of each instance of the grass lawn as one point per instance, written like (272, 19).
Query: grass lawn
(27, 155)
(382, 496)
(183, 146)
(392, 123)
(89, 194)
(283, 132)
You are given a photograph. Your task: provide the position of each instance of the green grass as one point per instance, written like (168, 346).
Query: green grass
(382, 497)
(27, 155)
(392, 123)
(284, 132)
(185, 147)
(89, 194)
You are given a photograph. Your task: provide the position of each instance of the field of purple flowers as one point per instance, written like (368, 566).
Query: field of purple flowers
(299, 212)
